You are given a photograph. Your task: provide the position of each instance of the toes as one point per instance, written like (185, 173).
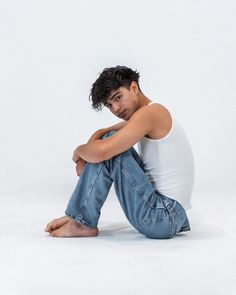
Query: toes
(56, 223)
(58, 233)
(54, 233)
(49, 225)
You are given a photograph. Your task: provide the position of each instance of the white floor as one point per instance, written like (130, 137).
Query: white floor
(119, 260)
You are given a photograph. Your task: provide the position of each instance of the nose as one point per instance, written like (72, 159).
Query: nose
(116, 108)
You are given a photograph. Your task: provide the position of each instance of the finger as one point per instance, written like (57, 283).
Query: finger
(75, 159)
(77, 171)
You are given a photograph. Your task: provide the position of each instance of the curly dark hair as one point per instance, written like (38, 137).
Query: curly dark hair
(111, 79)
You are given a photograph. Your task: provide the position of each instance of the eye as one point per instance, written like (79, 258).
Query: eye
(118, 97)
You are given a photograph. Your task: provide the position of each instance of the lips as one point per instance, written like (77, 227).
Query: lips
(122, 114)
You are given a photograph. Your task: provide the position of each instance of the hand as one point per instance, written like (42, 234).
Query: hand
(76, 157)
(98, 134)
(80, 166)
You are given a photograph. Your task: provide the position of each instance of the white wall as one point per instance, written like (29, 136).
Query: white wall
(52, 51)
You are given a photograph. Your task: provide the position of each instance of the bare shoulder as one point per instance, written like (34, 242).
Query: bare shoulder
(159, 110)
(155, 111)
(160, 118)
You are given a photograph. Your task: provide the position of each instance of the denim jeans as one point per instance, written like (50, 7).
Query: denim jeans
(148, 211)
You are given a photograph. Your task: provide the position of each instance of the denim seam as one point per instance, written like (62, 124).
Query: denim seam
(127, 178)
(172, 211)
(84, 204)
(87, 200)
(172, 226)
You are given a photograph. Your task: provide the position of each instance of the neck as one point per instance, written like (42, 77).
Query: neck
(142, 100)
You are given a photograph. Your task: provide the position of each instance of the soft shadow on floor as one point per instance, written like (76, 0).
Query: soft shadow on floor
(199, 231)
(204, 231)
(117, 229)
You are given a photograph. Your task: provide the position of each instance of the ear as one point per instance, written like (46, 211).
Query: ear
(134, 87)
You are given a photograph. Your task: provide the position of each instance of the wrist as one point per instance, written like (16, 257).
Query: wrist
(103, 131)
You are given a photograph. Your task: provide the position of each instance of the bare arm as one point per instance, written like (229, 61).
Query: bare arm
(100, 132)
(118, 126)
(98, 135)
(137, 126)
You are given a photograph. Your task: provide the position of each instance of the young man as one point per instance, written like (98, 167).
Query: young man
(153, 187)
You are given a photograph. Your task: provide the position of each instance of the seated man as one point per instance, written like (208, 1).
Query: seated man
(153, 187)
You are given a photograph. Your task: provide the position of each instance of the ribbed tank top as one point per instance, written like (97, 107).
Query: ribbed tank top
(169, 163)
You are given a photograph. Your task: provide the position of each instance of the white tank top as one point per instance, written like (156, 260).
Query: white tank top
(169, 164)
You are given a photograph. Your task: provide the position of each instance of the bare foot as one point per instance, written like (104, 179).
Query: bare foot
(56, 223)
(67, 227)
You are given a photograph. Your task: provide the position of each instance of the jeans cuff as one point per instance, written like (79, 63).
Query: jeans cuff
(78, 219)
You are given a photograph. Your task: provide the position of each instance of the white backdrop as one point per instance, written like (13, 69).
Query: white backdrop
(52, 51)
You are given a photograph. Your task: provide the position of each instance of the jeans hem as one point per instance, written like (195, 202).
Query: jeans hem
(186, 228)
(78, 219)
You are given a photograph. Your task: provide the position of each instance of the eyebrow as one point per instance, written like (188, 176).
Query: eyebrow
(112, 97)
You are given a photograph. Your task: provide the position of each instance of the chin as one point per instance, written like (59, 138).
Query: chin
(129, 116)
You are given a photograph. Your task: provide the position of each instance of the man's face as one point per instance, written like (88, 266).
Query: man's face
(123, 102)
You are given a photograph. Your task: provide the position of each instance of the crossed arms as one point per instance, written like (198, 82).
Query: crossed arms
(128, 134)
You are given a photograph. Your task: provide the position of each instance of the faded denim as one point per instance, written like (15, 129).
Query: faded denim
(152, 214)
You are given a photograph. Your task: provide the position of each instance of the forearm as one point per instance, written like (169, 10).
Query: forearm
(117, 126)
(91, 152)
(99, 133)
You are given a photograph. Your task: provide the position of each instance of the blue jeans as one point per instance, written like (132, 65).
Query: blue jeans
(148, 211)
